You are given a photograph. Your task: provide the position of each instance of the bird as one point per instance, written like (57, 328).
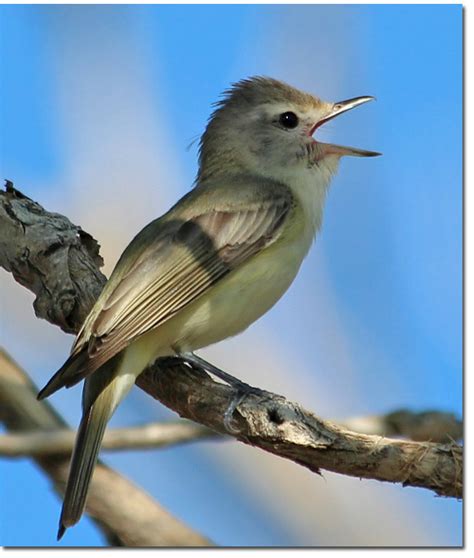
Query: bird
(213, 264)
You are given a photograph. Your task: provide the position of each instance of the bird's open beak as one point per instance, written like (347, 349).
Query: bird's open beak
(336, 110)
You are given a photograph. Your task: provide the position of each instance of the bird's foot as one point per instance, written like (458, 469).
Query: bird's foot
(242, 390)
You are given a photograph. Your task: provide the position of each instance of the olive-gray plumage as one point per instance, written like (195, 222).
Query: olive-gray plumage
(213, 264)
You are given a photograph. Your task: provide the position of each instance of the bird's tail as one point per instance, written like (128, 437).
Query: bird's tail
(84, 458)
(89, 438)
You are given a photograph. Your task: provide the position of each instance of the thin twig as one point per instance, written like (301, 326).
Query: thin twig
(141, 522)
(429, 426)
(274, 424)
(433, 426)
(57, 442)
(269, 421)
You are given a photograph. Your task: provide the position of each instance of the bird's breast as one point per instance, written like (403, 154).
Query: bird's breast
(246, 293)
(249, 291)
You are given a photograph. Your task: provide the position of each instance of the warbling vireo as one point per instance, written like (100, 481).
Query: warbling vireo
(215, 262)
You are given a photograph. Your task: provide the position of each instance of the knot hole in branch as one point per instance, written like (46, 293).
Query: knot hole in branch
(274, 415)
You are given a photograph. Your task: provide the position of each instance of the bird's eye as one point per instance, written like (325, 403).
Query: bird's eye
(288, 120)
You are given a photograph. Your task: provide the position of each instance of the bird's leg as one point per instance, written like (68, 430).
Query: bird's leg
(192, 358)
(241, 388)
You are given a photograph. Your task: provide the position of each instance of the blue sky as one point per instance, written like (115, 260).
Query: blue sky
(95, 98)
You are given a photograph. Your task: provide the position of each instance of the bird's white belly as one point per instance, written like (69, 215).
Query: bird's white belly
(241, 298)
(236, 303)
(230, 306)
(245, 294)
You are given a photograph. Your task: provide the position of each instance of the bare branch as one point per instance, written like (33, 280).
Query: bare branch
(50, 256)
(270, 421)
(433, 426)
(278, 426)
(141, 522)
(57, 442)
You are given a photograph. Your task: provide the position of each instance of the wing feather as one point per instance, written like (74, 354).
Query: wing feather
(178, 258)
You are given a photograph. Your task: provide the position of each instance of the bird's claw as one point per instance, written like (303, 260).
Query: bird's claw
(242, 391)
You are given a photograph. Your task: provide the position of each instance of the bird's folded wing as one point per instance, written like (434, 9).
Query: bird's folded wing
(179, 259)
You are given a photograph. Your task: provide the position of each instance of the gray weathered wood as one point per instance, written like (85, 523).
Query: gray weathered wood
(50, 256)
(267, 421)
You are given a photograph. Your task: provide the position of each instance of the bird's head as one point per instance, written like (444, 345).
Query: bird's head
(265, 126)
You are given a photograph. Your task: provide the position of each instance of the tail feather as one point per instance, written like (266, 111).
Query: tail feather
(102, 394)
(84, 458)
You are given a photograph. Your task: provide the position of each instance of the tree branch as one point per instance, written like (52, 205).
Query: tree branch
(50, 256)
(61, 441)
(141, 522)
(279, 426)
(431, 426)
(269, 422)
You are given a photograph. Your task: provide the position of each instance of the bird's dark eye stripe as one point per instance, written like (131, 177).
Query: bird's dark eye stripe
(288, 120)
